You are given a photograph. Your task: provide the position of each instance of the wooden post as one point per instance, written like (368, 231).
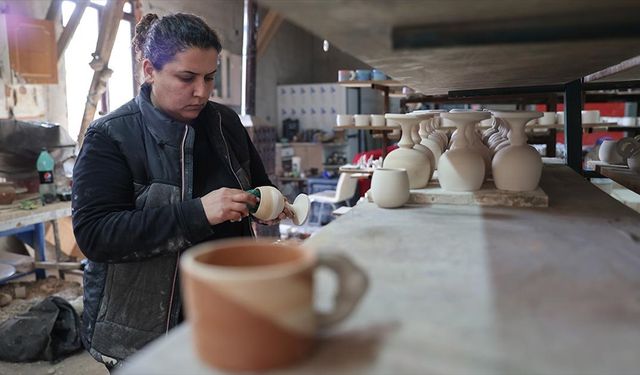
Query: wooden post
(54, 10)
(106, 38)
(72, 25)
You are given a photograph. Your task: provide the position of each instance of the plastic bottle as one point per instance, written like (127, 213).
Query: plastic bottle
(45, 165)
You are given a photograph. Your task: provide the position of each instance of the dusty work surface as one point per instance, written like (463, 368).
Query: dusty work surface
(471, 289)
(487, 195)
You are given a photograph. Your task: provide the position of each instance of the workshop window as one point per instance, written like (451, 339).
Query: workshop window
(79, 74)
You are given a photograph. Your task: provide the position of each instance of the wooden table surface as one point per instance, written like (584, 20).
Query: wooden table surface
(15, 217)
(475, 290)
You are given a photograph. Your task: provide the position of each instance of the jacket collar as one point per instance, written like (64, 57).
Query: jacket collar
(165, 129)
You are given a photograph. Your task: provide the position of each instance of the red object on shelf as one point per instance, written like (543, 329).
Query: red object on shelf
(364, 184)
(606, 109)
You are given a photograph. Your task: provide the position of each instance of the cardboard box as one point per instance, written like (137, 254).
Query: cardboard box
(68, 243)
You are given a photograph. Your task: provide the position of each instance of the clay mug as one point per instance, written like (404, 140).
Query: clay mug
(346, 75)
(251, 303)
(548, 118)
(608, 153)
(378, 75)
(627, 146)
(362, 120)
(390, 187)
(344, 120)
(272, 203)
(363, 74)
(634, 162)
(378, 120)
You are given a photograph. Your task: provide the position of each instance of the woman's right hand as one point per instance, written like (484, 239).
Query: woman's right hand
(227, 204)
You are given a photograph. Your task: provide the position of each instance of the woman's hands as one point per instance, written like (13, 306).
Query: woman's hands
(286, 212)
(227, 204)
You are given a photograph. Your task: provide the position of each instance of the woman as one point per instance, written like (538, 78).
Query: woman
(163, 172)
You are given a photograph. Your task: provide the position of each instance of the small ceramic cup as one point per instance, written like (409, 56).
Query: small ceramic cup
(608, 153)
(378, 120)
(362, 120)
(346, 75)
(590, 117)
(251, 303)
(548, 118)
(390, 187)
(344, 120)
(633, 162)
(363, 74)
(378, 75)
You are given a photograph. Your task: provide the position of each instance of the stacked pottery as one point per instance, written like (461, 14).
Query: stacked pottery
(518, 166)
(414, 161)
(462, 167)
(428, 136)
(417, 141)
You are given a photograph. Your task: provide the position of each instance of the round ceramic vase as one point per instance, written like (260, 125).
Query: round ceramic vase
(462, 168)
(390, 187)
(518, 166)
(415, 162)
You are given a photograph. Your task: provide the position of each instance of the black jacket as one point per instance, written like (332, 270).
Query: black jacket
(133, 214)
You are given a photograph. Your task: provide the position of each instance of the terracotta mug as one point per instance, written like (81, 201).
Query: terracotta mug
(250, 303)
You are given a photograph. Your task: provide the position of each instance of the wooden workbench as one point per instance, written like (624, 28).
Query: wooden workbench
(469, 289)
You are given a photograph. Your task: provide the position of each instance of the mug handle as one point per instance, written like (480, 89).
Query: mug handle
(352, 283)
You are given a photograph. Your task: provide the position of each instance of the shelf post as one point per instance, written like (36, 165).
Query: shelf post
(573, 124)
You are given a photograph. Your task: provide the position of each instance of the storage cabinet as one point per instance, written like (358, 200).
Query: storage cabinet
(30, 49)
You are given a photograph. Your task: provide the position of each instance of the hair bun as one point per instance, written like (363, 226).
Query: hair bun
(142, 29)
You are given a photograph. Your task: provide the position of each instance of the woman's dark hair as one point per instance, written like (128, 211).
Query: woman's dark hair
(160, 39)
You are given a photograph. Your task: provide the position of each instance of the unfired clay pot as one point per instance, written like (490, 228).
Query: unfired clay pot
(462, 168)
(417, 145)
(272, 203)
(517, 167)
(415, 162)
(389, 187)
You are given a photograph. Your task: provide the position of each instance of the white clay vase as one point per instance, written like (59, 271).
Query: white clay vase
(415, 162)
(417, 145)
(272, 203)
(389, 187)
(475, 142)
(434, 146)
(517, 167)
(462, 168)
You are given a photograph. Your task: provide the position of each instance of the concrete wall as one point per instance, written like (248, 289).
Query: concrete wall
(294, 56)
(224, 16)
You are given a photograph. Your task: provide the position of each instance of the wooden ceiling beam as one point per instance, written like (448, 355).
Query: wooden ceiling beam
(268, 28)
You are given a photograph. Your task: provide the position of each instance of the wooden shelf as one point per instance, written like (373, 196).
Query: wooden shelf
(620, 174)
(370, 84)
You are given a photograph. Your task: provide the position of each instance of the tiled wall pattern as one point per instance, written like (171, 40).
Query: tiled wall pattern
(314, 105)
